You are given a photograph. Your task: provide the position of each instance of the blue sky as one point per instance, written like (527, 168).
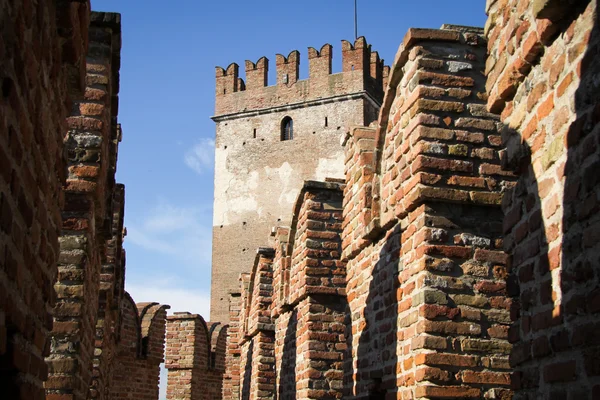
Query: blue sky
(167, 91)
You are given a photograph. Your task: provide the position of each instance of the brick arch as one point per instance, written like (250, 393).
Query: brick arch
(153, 319)
(218, 345)
(130, 328)
(203, 345)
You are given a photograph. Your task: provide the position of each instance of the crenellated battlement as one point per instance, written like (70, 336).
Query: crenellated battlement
(362, 72)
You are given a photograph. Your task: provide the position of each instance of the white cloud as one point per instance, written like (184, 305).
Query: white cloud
(184, 233)
(201, 157)
(180, 299)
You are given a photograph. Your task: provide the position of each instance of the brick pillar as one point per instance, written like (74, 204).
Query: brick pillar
(311, 321)
(426, 271)
(109, 311)
(86, 214)
(187, 356)
(231, 378)
(258, 340)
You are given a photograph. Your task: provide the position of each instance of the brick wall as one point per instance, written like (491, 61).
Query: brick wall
(90, 142)
(231, 376)
(422, 230)
(195, 358)
(109, 310)
(292, 318)
(140, 351)
(60, 206)
(543, 78)
(42, 53)
(257, 344)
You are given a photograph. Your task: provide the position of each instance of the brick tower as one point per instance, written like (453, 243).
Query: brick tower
(271, 138)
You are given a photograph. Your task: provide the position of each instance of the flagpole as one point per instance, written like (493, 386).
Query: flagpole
(355, 20)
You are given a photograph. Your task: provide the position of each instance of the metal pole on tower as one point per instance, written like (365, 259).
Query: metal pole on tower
(355, 20)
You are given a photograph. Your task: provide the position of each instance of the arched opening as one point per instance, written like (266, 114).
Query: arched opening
(287, 129)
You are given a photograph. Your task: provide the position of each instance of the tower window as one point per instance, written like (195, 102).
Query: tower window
(287, 129)
(326, 122)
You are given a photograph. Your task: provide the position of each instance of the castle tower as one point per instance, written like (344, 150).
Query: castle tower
(270, 139)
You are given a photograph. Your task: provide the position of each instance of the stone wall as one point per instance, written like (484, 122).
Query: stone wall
(42, 53)
(543, 73)
(258, 175)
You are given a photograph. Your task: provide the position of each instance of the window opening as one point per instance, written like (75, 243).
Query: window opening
(326, 122)
(287, 129)
(254, 133)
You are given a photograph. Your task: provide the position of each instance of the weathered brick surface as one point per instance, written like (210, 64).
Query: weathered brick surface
(543, 77)
(231, 375)
(42, 54)
(257, 343)
(112, 281)
(87, 216)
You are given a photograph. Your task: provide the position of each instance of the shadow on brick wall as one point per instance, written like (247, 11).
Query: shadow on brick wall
(558, 284)
(287, 378)
(580, 265)
(376, 352)
(247, 379)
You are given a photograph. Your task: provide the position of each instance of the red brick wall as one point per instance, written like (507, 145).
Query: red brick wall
(42, 58)
(543, 77)
(257, 345)
(292, 331)
(231, 376)
(140, 351)
(422, 230)
(195, 358)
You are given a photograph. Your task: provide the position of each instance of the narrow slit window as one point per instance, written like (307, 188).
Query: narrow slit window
(254, 134)
(287, 129)
(326, 122)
